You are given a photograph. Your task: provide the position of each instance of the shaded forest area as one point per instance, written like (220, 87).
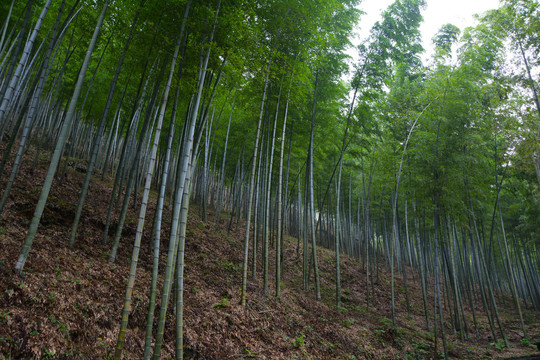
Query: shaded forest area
(391, 215)
(67, 306)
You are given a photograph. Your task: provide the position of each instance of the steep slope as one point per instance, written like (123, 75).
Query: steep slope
(68, 303)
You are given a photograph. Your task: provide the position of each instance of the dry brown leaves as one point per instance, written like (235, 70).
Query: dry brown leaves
(69, 302)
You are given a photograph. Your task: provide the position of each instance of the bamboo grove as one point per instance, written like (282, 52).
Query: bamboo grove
(430, 168)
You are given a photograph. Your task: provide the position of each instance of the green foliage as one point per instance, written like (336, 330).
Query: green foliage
(299, 340)
(49, 354)
(51, 299)
(386, 322)
(379, 333)
(251, 354)
(4, 316)
(445, 37)
(445, 141)
(101, 343)
(227, 265)
(499, 345)
(221, 304)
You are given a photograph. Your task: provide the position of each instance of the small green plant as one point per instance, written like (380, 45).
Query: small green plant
(360, 309)
(48, 354)
(348, 323)
(386, 321)
(4, 340)
(299, 341)
(525, 342)
(35, 298)
(102, 343)
(227, 265)
(499, 345)
(2, 230)
(379, 333)
(5, 315)
(52, 297)
(330, 346)
(222, 303)
(250, 354)
(72, 279)
(63, 329)
(421, 350)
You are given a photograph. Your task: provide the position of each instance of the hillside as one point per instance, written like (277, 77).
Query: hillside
(301, 119)
(68, 303)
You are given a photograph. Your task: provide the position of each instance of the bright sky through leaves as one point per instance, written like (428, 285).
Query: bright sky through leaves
(436, 14)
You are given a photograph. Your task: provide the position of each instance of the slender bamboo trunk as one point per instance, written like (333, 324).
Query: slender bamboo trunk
(99, 134)
(280, 208)
(132, 173)
(142, 213)
(5, 27)
(250, 196)
(12, 87)
(23, 256)
(268, 192)
(222, 175)
(311, 194)
(157, 237)
(183, 182)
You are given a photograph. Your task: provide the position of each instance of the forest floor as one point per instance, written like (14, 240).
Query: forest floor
(68, 303)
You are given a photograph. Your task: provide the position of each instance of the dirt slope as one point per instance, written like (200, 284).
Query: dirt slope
(68, 304)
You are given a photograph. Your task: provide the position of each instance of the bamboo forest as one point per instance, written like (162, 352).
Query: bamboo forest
(235, 179)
